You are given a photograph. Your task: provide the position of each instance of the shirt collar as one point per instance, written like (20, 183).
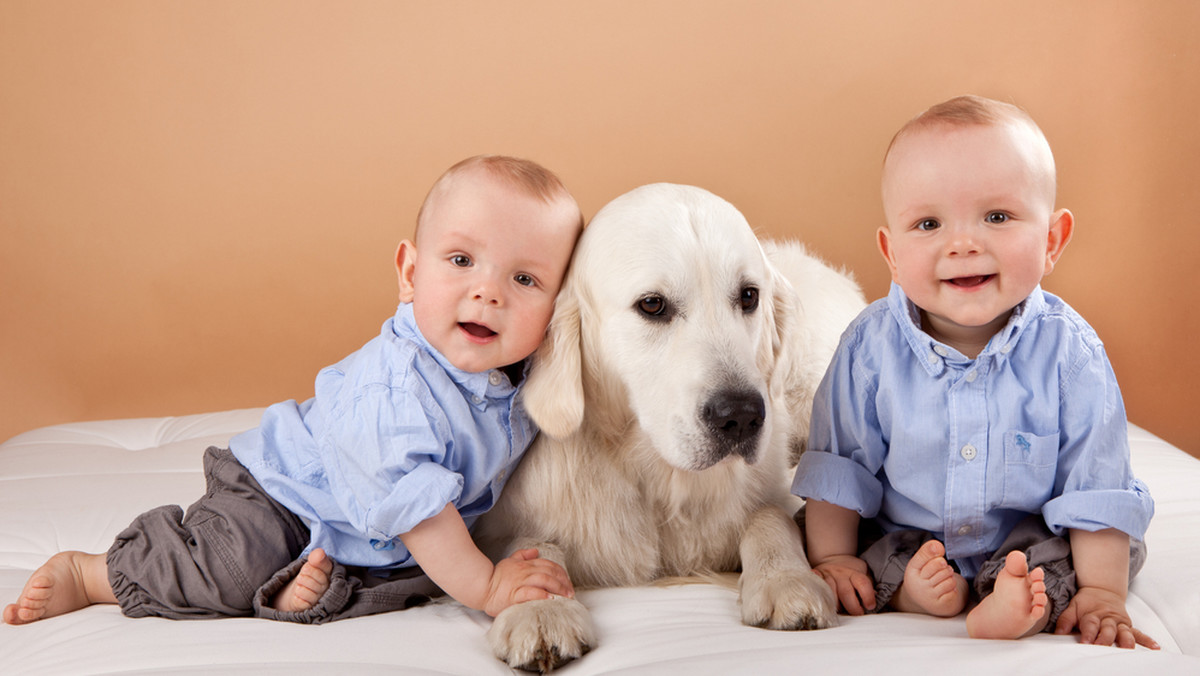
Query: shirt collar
(934, 355)
(492, 383)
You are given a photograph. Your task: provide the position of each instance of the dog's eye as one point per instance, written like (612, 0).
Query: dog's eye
(749, 299)
(654, 307)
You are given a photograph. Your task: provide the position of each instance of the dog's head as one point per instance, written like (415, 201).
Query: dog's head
(670, 319)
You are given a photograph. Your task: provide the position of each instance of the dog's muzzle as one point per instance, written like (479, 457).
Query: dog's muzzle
(734, 420)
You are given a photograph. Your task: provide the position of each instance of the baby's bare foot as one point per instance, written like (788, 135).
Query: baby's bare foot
(930, 585)
(67, 581)
(309, 585)
(1017, 605)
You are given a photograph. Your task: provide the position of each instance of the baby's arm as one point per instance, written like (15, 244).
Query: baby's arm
(443, 548)
(1101, 561)
(832, 544)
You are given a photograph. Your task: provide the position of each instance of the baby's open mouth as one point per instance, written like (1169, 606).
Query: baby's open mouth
(970, 282)
(477, 330)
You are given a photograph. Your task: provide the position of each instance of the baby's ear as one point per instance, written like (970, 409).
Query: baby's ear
(1062, 226)
(406, 266)
(553, 395)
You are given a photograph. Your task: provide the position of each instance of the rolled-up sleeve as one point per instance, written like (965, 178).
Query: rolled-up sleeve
(845, 445)
(418, 495)
(1095, 487)
(1128, 510)
(385, 455)
(838, 480)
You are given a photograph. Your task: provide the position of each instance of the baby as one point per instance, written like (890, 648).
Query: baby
(970, 416)
(360, 499)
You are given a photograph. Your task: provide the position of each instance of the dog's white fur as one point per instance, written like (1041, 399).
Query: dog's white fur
(641, 471)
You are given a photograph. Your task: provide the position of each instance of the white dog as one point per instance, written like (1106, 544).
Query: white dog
(675, 382)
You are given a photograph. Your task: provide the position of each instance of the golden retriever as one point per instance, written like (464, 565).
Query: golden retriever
(673, 392)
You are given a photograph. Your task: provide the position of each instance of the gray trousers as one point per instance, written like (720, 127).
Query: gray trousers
(887, 555)
(231, 552)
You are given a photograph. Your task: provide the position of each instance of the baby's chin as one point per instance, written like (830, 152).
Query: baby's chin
(470, 362)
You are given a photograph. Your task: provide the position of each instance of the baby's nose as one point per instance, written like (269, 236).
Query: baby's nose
(488, 291)
(962, 241)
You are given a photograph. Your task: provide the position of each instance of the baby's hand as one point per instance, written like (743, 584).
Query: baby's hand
(1102, 620)
(525, 577)
(851, 582)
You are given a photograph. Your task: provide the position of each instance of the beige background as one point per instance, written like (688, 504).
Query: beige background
(199, 201)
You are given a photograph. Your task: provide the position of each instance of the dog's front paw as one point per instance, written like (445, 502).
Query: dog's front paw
(542, 635)
(788, 600)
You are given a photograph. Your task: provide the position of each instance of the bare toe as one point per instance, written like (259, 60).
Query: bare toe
(930, 585)
(1017, 605)
(309, 585)
(1016, 564)
(67, 581)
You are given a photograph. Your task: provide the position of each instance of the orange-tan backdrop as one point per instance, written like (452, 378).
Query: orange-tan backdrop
(199, 201)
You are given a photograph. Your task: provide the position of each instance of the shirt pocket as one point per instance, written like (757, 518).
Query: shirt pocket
(1030, 464)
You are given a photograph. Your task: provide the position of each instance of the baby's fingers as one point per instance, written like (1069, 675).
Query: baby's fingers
(527, 593)
(1129, 637)
(1104, 633)
(527, 560)
(866, 590)
(1140, 638)
(857, 594)
(848, 597)
(556, 583)
(547, 575)
(524, 555)
(852, 592)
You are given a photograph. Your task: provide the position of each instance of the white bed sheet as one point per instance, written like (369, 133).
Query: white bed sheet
(75, 486)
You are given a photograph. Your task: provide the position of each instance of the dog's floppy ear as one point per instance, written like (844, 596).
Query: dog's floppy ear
(554, 393)
(784, 311)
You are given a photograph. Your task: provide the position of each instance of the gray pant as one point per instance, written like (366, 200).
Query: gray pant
(233, 550)
(887, 555)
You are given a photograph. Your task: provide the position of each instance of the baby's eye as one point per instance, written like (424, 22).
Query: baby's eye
(460, 260)
(525, 280)
(996, 217)
(928, 224)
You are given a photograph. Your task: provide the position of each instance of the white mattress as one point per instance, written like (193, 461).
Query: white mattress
(75, 486)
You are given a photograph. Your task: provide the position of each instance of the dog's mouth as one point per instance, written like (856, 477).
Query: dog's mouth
(971, 282)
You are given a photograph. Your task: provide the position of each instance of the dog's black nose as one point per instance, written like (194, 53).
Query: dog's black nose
(736, 416)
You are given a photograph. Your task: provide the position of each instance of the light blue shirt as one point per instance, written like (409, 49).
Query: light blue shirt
(393, 434)
(911, 432)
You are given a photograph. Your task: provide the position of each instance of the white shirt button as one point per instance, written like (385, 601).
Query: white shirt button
(941, 350)
(933, 358)
(968, 452)
(964, 530)
(494, 377)
(475, 398)
(971, 376)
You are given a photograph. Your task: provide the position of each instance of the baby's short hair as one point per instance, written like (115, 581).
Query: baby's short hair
(525, 175)
(967, 110)
(970, 110)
